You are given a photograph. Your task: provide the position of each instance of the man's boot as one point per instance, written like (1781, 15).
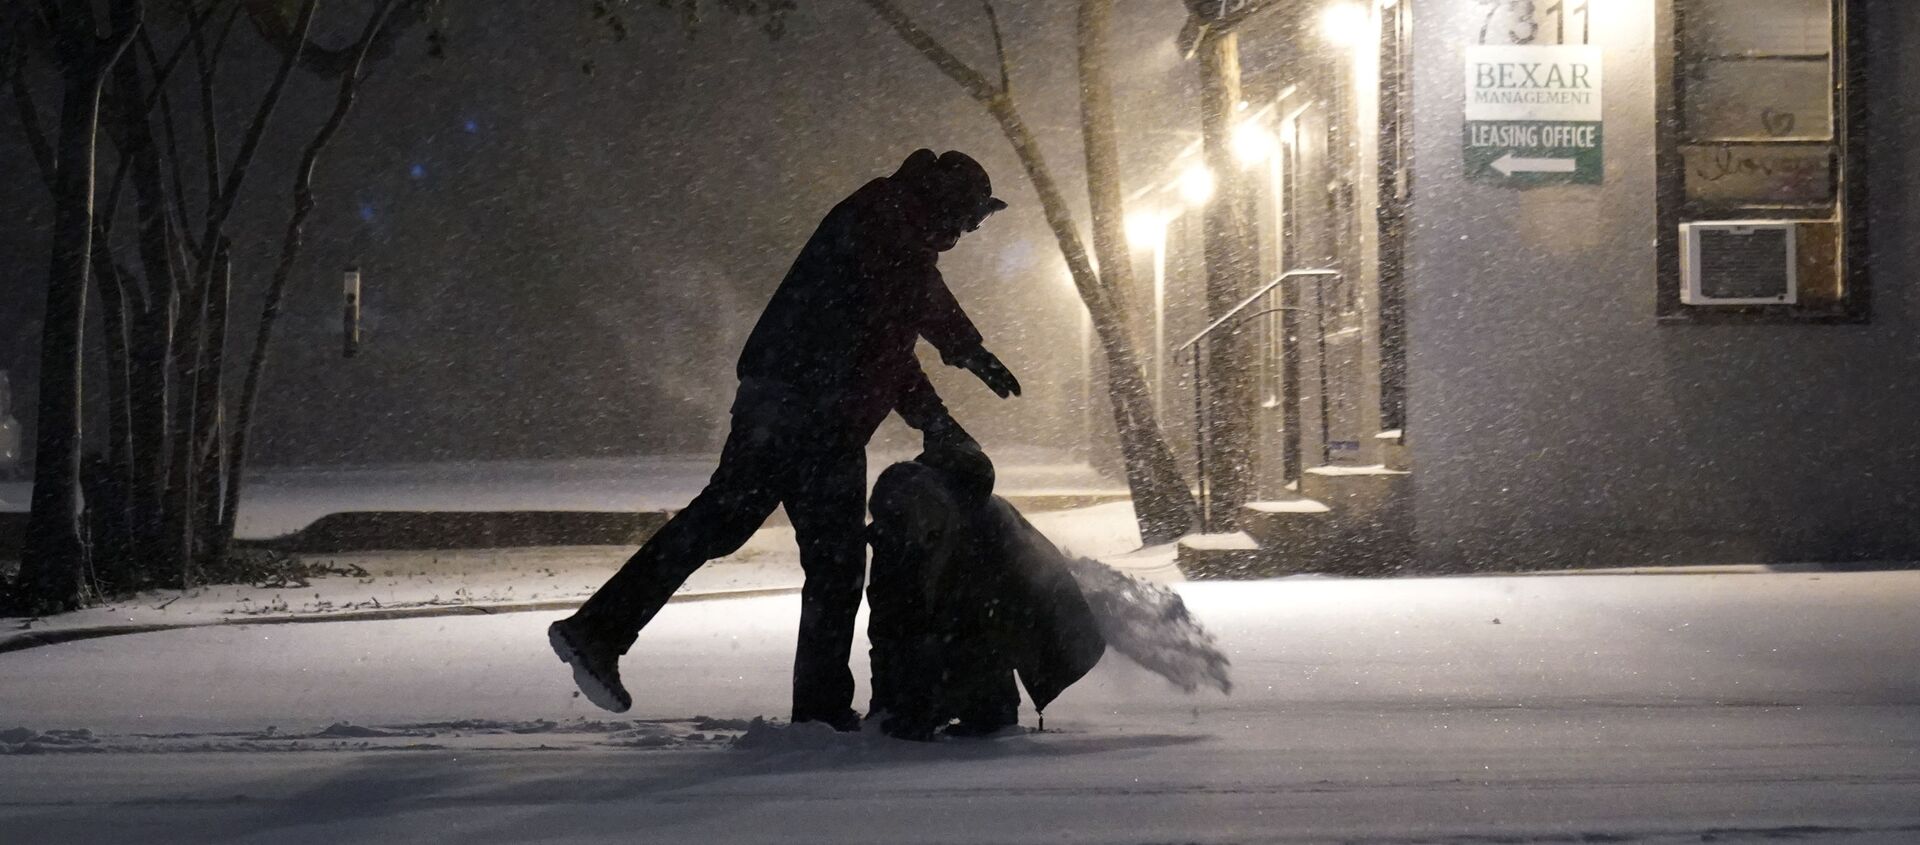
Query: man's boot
(846, 721)
(596, 666)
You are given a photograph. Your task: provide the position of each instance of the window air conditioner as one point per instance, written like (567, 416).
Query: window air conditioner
(1742, 262)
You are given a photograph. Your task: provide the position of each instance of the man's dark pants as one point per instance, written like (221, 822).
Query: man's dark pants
(771, 458)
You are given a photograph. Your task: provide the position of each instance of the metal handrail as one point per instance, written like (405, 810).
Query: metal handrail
(1283, 278)
(1233, 319)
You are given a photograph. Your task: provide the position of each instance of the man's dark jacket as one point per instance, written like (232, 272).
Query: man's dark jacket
(840, 331)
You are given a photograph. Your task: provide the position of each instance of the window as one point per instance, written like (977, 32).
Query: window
(1760, 190)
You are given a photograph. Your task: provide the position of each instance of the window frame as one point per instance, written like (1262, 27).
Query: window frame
(1849, 68)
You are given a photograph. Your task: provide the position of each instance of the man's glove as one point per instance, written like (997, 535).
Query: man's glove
(995, 374)
(946, 432)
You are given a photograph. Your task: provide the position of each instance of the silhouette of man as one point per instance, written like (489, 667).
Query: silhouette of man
(832, 355)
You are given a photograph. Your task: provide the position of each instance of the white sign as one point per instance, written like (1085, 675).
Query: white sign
(1534, 114)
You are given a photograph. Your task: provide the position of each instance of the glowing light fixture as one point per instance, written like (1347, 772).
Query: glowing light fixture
(1196, 185)
(1145, 228)
(1344, 24)
(1252, 143)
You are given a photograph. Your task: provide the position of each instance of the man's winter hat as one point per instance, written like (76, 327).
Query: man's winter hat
(957, 180)
(968, 470)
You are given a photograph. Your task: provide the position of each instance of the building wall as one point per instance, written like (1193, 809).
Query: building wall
(1554, 423)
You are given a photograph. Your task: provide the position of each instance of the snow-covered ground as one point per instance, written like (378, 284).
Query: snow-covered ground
(388, 582)
(1667, 708)
(283, 500)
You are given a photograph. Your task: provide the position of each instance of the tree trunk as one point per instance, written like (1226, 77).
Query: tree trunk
(1161, 501)
(151, 384)
(153, 313)
(112, 539)
(175, 550)
(1232, 268)
(54, 557)
(209, 448)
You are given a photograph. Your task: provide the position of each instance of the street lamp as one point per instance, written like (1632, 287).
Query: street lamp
(1148, 229)
(1196, 184)
(1145, 228)
(1344, 24)
(1252, 143)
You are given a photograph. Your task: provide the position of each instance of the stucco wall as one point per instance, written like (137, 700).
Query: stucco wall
(1553, 422)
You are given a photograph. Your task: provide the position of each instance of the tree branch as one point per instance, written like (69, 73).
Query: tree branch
(130, 104)
(999, 48)
(226, 29)
(975, 84)
(210, 131)
(30, 120)
(103, 216)
(129, 20)
(162, 71)
(331, 62)
(68, 46)
(162, 74)
(173, 162)
(103, 226)
(206, 61)
(49, 15)
(223, 202)
(127, 27)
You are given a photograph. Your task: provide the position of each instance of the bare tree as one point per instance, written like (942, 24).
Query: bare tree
(1162, 501)
(164, 494)
(54, 556)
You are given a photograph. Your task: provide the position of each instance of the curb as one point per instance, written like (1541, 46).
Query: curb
(366, 531)
(36, 639)
(346, 532)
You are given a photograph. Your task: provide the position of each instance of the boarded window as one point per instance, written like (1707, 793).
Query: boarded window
(1754, 111)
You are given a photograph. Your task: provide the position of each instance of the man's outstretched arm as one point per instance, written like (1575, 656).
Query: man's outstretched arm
(946, 325)
(921, 407)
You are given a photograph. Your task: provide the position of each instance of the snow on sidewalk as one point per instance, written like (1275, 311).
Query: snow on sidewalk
(1774, 640)
(1599, 708)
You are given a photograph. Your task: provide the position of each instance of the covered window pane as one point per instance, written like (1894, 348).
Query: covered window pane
(1759, 174)
(1759, 27)
(1756, 100)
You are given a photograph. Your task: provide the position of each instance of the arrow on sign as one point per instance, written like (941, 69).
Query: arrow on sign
(1510, 164)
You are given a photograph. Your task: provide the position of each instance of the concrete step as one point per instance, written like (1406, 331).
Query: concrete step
(1344, 520)
(1219, 557)
(1346, 489)
(1394, 454)
(1292, 532)
(1372, 533)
